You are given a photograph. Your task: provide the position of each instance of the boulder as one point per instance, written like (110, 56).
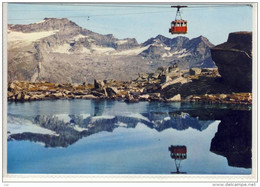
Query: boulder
(144, 97)
(98, 84)
(11, 86)
(174, 67)
(111, 91)
(75, 86)
(18, 97)
(151, 88)
(222, 96)
(178, 80)
(174, 98)
(10, 94)
(57, 95)
(98, 93)
(155, 97)
(160, 70)
(31, 86)
(130, 98)
(89, 96)
(43, 88)
(37, 97)
(173, 71)
(144, 75)
(26, 97)
(78, 93)
(165, 78)
(195, 71)
(155, 75)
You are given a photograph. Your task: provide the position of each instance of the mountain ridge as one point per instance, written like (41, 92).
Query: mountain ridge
(58, 50)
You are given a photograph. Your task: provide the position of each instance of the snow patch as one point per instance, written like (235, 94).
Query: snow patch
(102, 117)
(42, 21)
(62, 49)
(63, 117)
(79, 129)
(79, 36)
(134, 51)
(184, 115)
(14, 36)
(182, 55)
(167, 55)
(20, 125)
(157, 45)
(178, 54)
(85, 50)
(120, 124)
(90, 40)
(167, 48)
(139, 116)
(102, 50)
(120, 42)
(167, 118)
(84, 116)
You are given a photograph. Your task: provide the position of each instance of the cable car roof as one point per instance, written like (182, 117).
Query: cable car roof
(179, 21)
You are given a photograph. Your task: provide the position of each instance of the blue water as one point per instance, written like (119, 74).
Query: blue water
(139, 149)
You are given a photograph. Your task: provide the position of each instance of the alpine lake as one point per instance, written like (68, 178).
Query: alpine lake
(114, 137)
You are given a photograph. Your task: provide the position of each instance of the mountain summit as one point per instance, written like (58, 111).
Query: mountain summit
(58, 50)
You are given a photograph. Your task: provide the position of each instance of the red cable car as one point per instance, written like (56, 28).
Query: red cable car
(178, 26)
(178, 153)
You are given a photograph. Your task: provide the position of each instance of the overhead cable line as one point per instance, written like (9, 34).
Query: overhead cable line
(134, 13)
(99, 15)
(136, 5)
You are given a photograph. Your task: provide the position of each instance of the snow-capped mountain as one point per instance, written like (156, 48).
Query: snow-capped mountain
(58, 50)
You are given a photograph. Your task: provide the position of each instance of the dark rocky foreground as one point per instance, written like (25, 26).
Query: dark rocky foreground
(166, 84)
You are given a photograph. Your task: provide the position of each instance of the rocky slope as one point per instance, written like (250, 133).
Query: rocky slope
(166, 84)
(234, 61)
(59, 51)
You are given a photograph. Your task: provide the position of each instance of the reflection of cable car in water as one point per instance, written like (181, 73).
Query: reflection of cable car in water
(179, 26)
(178, 153)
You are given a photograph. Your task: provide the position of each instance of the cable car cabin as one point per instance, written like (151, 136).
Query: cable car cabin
(179, 27)
(178, 152)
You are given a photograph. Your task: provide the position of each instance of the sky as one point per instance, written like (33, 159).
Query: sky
(141, 21)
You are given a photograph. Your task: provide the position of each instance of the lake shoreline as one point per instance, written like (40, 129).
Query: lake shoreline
(19, 91)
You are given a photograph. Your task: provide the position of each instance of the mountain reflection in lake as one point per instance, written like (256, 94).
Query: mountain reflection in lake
(85, 136)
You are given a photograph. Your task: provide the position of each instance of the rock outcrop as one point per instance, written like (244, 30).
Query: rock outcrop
(234, 61)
